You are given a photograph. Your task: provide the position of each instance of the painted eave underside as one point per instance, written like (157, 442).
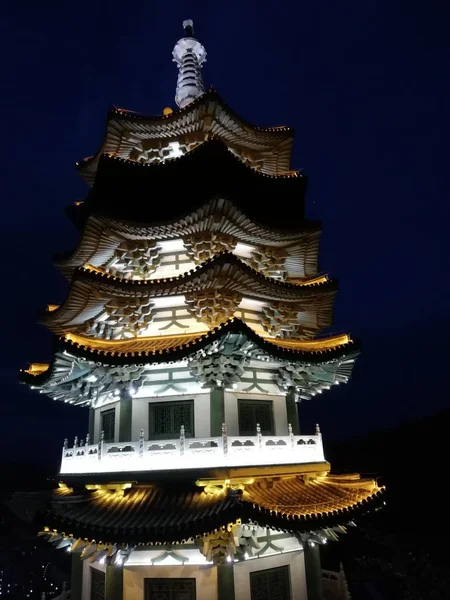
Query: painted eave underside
(91, 289)
(158, 513)
(102, 235)
(340, 350)
(132, 191)
(209, 115)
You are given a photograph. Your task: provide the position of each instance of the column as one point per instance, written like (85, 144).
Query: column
(125, 414)
(114, 582)
(225, 582)
(92, 426)
(313, 571)
(217, 406)
(291, 411)
(76, 576)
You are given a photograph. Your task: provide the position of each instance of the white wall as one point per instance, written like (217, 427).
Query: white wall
(98, 421)
(206, 579)
(202, 412)
(295, 561)
(278, 407)
(86, 589)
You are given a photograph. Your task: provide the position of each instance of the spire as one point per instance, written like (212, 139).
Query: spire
(189, 55)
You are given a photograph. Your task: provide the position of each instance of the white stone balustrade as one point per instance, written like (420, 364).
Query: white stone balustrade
(192, 453)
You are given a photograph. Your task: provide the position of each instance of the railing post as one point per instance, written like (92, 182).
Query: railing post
(100, 445)
(88, 437)
(258, 433)
(291, 435)
(141, 443)
(75, 442)
(224, 439)
(65, 447)
(182, 439)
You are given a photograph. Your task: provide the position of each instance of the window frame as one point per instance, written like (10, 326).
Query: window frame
(96, 573)
(167, 404)
(108, 411)
(287, 574)
(149, 580)
(256, 402)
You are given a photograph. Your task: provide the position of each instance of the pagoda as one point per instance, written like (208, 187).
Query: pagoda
(193, 325)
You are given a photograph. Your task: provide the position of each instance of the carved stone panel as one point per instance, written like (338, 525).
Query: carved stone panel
(202, 246)
(122, 318)
(135, 258)
(218, 546)
(212, 307)
(217, 369)
(269, 261)
(281, 319)
(301, 377)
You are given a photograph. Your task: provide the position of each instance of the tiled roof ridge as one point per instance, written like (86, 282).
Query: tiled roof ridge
(202, 149)
(225, 257)
(218, 517)
(210, 94)
(233, 325)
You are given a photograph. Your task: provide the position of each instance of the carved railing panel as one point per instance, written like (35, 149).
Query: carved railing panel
(188, 453)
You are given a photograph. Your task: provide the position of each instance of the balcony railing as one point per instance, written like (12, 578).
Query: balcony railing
(191, 453)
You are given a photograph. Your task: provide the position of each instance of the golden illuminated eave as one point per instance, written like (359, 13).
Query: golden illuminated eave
(150, 345)
(37, 369)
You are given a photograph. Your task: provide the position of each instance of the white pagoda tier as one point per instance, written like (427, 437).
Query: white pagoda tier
(193, 325)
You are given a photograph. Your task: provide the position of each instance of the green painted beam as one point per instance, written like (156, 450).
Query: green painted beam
(114, 583)
(225, 582)
(292, 413)
(91, 425)
(313, 571)
(125, 414)
(217, 405)
(76, 576)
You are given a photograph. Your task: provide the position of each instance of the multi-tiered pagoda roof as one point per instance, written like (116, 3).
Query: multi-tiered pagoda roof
(196, 276)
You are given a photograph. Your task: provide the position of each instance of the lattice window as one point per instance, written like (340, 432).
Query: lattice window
(170, 589)
(166, 419)
(108, 424)
(97, 585)
(252, 412)
(270, 584)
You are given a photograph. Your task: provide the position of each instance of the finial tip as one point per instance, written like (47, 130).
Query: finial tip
(188, 26)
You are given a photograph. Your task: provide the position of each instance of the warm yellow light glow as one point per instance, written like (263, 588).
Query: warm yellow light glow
(37, 368)
(90, 267)
(300, 282)
(164, 342)
(108, 486)
(323, 344)
(52, 307)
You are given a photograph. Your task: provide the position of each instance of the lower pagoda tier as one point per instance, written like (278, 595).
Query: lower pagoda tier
(309, 502)
(90, 371)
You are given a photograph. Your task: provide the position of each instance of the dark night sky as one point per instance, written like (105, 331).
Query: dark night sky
(365, 84)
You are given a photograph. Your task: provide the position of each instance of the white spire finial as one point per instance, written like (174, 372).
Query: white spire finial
(189, 55)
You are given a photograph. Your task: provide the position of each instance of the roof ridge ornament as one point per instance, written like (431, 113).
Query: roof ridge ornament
(189, 55)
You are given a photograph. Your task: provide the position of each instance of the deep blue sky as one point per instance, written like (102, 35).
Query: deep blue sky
(365, 84)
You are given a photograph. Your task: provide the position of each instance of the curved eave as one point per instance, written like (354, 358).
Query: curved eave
(129, 190)
(156, 350)
(141, 517)
(98, 241)
(225, 271)
(204, 115)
